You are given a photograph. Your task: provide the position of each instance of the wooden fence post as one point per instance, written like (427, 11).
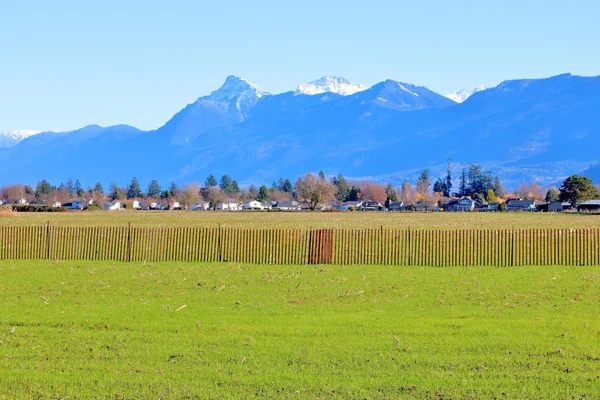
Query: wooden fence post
(48, 240)
(512, 247)
(409, 247)
(219, 243)
(129, 242)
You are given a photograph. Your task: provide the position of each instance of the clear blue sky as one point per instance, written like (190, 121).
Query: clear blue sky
(66, 64)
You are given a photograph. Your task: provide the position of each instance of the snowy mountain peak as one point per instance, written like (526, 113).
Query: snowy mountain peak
(235, 86)
(19, 134)
(461, 95)
(330, 84)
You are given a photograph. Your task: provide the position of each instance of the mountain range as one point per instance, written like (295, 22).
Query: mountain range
(522, 130)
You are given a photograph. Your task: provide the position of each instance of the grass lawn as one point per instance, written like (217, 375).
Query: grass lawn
(305, 220)
(177, 330)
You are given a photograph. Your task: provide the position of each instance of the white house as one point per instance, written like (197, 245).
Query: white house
(520, 205)
(75, 205)
(202, 206)
(228, 205)
(22, 202)
(113, 205)
(56, 204)
(350, 205)
(157, 205)
(254, 205)
(286, 206)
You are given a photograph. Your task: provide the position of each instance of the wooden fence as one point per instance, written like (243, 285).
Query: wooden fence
(297, 246)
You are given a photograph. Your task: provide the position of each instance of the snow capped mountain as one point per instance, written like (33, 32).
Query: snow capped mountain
(461, 95)
(330, 84)
(12, 138)
(245, 93)
(19, 134)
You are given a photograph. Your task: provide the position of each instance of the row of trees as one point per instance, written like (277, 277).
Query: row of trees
(314, 189)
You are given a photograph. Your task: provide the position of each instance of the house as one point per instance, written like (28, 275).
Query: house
(157, 205)
(253, 205)
(56, 204)
(202, 206)
(461, 205)
(520, 205)
(75, 205)
(370, 205)
(229, 205)
(350, 205)
(284, 205)
(113, 205)
(589, 206)
(22, 202)
(425, 205)
(396, 206)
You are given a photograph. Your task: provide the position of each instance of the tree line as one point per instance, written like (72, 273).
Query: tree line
(313, 189)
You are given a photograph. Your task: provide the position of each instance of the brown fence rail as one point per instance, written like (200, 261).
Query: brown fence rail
(297, 246)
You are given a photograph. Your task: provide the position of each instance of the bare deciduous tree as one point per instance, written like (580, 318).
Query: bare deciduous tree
(372, 191)
(314, 190)
(190, 195)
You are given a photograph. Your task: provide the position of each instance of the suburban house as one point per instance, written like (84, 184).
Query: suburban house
(350, 205)
(255, 205)
(396, 206)
(555, 206)
(520, 205)
(229, 205)
(113, 205)
(22, 202)
(461, 205)
(589, 206)
(284, 205)
(75, 205)
(56, 204)
(370, 205)
(157, 205)
(487, 207)
(424, 205)
(202, 206)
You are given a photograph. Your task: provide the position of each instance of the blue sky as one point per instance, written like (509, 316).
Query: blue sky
(66, 64)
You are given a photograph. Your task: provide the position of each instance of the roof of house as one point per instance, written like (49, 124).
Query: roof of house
(590, 203)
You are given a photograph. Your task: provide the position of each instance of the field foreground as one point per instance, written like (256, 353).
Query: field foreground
(176, 330)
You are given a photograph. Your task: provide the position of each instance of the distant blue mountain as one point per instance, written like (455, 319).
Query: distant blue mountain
(523, 130)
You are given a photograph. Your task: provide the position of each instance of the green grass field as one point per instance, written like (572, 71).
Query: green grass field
(305, 220)
(176, 330)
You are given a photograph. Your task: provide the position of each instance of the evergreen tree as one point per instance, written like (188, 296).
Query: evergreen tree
(98, 188)
(43, 189)
(576, 189)
(154, 189)
(77, 186)
(263, 194)
(439, 187)
(448, 182)
(498, 188)
(70, 187)
(235, 187)
(173, 189)
(391, 193)
(280, 184)
(354, 193)
(462, 189)
(321, 174)
(226, 184)
(211, 181)
(80, 192)
(28, 189)
(115, 192)
(287, 186)
(133, 190)
(252, 192)
(552, 195)
(423, 183)
(166, 194)
(343, 188)
(474, 176)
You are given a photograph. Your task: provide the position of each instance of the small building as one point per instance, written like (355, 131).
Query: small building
(113, 205)
(253, 205)
(463, 204)
(229, 205)
(520, 205)
(22, 202)
(157, 205)
(424, 205)
(396, 206)
(370, 205)
(350, 205)
(201, 206)
(56, 204)
(589, 206)
(285, 205)
(75, 205)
